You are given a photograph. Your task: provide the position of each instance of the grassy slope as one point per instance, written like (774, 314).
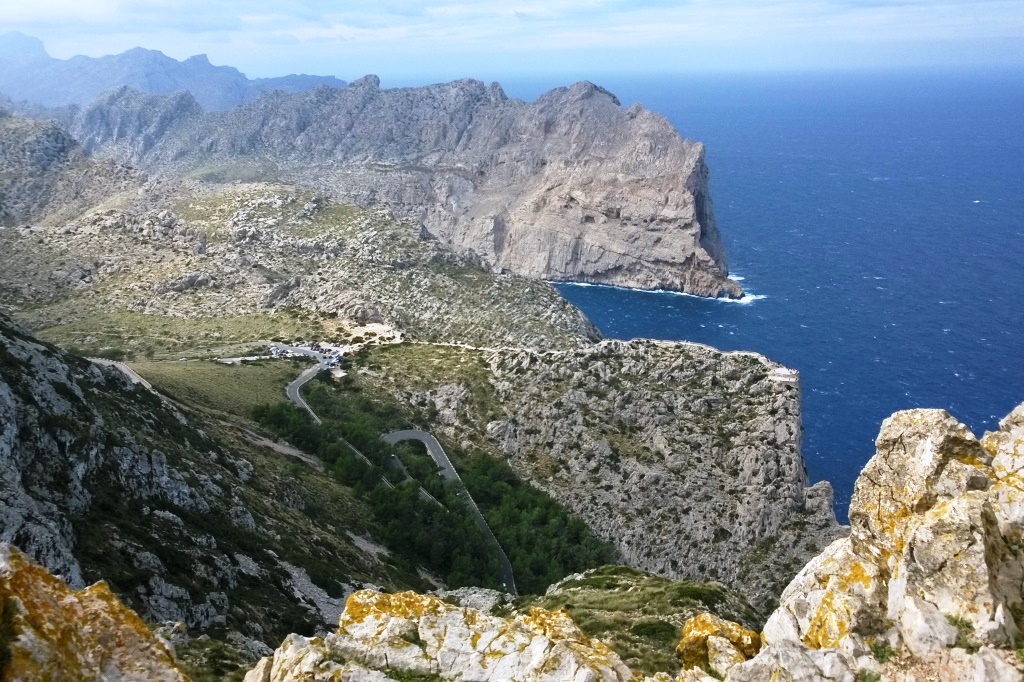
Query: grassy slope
(165, 337)
(637, 614)
(235, 389)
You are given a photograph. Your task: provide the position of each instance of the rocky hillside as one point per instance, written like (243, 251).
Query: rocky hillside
(28, 73)
(246, 253)
(45, 174)
(683, 443)
(927, 587)
(186, 517)
(634, 438)
(570, 187)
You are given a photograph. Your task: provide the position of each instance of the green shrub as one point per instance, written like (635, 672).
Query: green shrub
(964, 634)
(881, 650)
(7, 633)
(658, 630)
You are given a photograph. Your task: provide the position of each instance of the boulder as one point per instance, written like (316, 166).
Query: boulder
(712, 643)
(929, 583)
(53, 632)
(421, 635)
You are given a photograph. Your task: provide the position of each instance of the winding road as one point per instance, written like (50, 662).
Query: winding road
(434, 449)
(450, 475)
(293, 389)
(296, 397)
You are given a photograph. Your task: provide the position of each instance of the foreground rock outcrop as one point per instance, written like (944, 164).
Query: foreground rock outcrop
(571, 187)
(50, 632)
(929, 583)
(420, 635)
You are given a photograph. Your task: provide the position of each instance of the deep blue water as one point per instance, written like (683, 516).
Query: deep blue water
(881, 217)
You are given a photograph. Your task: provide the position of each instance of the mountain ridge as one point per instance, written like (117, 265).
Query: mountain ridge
(570, 187)
(28, 72)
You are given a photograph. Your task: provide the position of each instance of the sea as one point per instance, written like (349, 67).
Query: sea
(876, 222)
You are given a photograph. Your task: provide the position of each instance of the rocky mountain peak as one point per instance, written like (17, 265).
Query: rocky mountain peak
(43, 169)
(18, 47)
(585, 89)
(136, 54)
(367, 82)
(497, 93)
(126, 114)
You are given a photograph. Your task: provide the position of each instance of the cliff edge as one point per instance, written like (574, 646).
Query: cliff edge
(928, 584)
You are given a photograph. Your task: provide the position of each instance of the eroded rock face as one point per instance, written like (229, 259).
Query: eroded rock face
(932, 572)
(421, 635)
(571, 187)
(43, 171)
(683, 443)
(61, 634)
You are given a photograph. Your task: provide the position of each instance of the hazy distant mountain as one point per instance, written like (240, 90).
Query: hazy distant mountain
(28, 72)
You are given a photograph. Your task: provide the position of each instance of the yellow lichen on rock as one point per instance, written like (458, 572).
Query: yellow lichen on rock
(843, 584)
(401, 604)
(422, 635)
(858, 575)
(930, 578)
(59, 633)
(694, 649)
(558, 625)
(921, 457)
(829, 624)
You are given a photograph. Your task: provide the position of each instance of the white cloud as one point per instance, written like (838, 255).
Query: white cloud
(503, 31)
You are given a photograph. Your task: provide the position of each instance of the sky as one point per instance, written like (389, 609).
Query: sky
(405, 41)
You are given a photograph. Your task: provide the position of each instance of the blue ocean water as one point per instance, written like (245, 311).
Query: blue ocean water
(881, 218)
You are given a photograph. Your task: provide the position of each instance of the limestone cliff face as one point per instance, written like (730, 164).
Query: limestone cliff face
(929, 583)
(711, 466)
(420, 635)
(571, 187)
(686, 458)
(50, 632)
